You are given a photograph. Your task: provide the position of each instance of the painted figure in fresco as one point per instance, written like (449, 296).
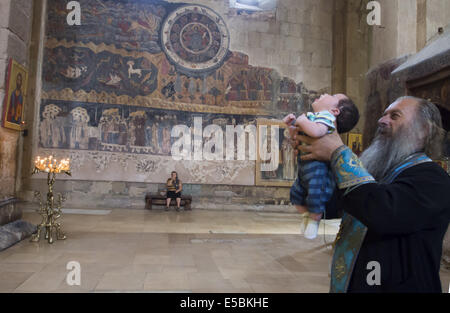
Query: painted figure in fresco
(16, 102)
(192, 86)
(123, 133)
(244, 85)
(79, 133)
(102, 125)
(166, 144)
(260, 87)
(268, 156)
(234, 89)
(155, 137)
(114, 79)
(315, 185)
(287, 153)
(132, 71)
(51, 128)
(266, 82)
(137, 128)
(74, 72)
(113, 128)
(146, 22)
(253, 85)
(132, 137)
(168, 90)
(148, 133)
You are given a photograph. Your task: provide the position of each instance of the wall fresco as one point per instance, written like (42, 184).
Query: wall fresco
(115, 128)
(131, 25)
(114, 87)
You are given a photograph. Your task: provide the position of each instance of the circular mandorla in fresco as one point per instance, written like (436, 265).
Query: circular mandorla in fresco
(195, 38)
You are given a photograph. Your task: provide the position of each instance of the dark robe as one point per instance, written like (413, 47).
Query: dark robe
(406, 222)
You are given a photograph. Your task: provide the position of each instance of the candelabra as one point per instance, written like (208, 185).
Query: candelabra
(50, 211)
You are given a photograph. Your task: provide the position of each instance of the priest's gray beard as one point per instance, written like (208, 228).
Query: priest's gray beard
(387, 150)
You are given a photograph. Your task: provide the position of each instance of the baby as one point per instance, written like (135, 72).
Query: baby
(315, 184)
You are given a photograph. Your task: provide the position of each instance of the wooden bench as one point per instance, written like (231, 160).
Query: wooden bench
(158, 199)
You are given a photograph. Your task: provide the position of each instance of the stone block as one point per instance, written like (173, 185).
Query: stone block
(295, 58)
(20, 20)
(224, 193)
(281, 57)
(4, 13)
(295, 30)
(274, 27)
(306, 59)
(268, 40)
(100, 187)
(293, 43)
(82, 186)
(292, 15)
(254, 40)
(35, 184)
(258, 26)
(26, 6)
(4, 33)
(64, 186)
(284, 29)
(135, 191)
(17, 49)
(272, 55)
(118, 187)
(282, 14)
(305, 32)
(316, 59)
(259, 56)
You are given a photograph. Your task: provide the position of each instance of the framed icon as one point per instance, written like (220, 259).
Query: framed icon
(354, 142)
(15, 98)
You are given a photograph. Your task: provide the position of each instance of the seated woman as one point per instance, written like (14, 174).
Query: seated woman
(174, 188)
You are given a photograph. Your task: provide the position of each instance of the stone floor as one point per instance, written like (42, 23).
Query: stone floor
(157, 251)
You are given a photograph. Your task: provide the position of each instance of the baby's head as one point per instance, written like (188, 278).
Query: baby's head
(342, 107)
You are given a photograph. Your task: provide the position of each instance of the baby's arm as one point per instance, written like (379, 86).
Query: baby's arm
(312, 129)
(289, 119)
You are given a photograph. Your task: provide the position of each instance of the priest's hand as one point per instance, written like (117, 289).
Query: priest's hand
(320, 149)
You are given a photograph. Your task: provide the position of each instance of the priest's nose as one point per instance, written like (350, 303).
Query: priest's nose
(383, 121)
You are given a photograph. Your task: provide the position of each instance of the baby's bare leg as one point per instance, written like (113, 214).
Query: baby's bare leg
(301, 208)
(316, 216)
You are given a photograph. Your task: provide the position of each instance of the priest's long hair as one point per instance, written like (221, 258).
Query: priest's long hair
(423, 134)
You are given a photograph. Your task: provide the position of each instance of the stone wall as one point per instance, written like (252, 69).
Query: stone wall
(130, 195)
(407, 26)
(15, 22)
(290, 50)
(297, 42)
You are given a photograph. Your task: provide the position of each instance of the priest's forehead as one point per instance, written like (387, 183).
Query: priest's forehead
(404, 106)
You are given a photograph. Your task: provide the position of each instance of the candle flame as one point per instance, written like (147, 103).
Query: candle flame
(52, 165)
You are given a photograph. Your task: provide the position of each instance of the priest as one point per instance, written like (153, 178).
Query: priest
(396, 202)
